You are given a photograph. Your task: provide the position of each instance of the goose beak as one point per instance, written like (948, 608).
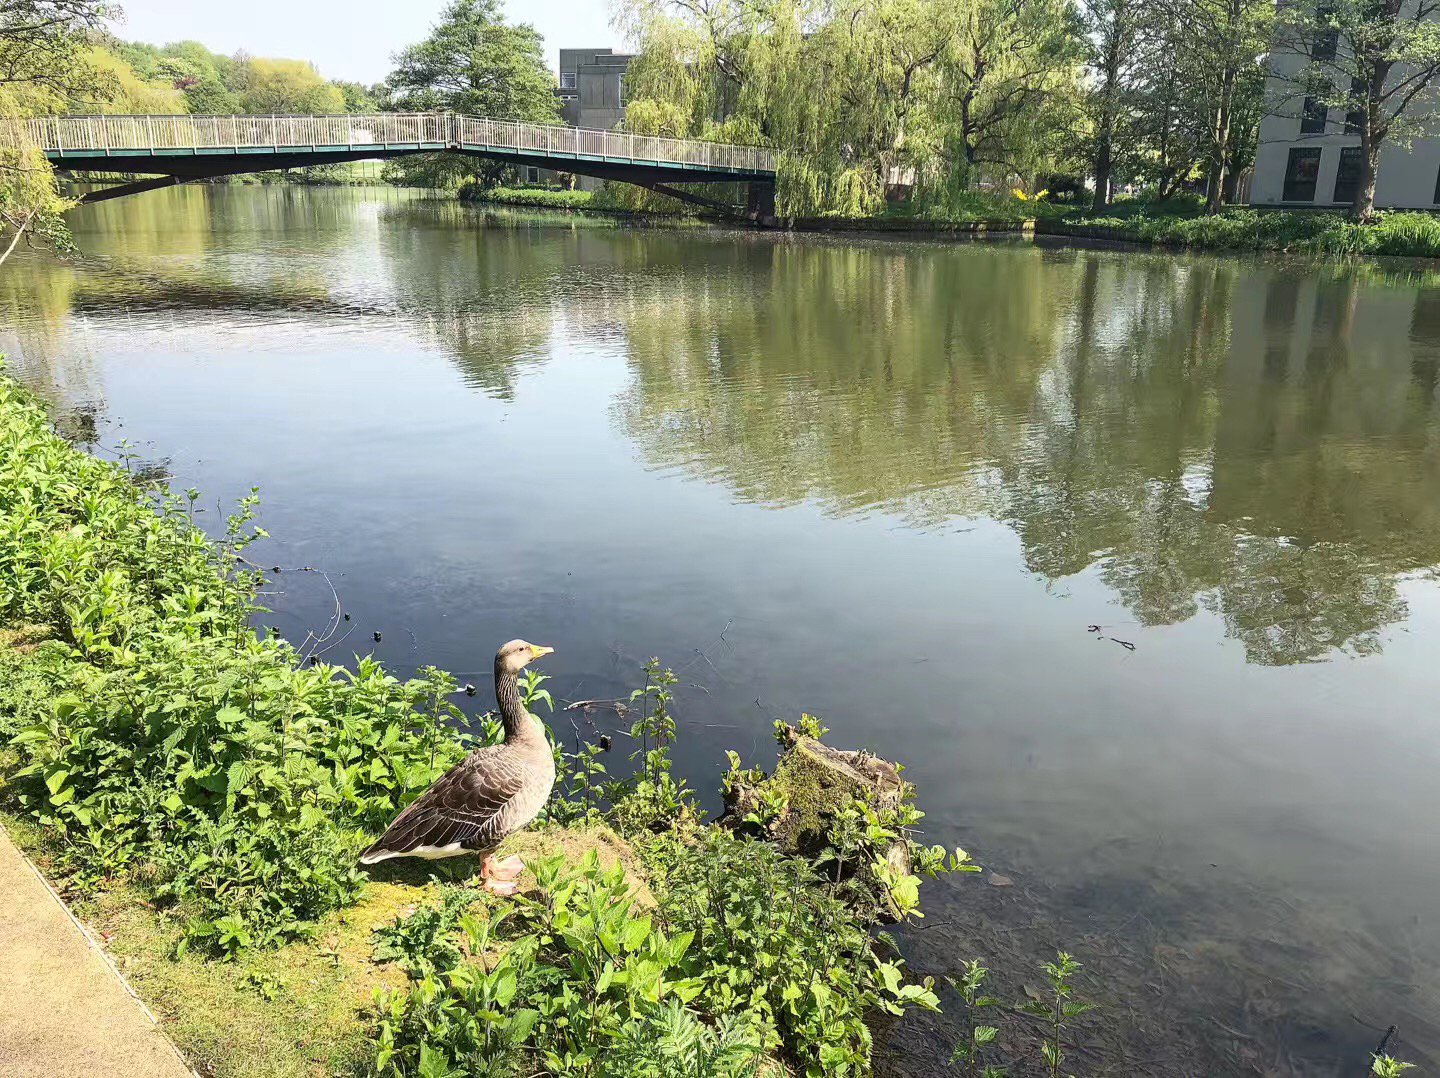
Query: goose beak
(537, 650)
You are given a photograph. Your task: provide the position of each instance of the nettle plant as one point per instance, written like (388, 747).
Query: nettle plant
(156, 734)
(578, 978)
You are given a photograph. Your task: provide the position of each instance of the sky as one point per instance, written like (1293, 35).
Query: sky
(346, 39)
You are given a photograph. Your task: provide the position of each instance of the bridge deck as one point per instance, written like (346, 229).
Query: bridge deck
(211, 145)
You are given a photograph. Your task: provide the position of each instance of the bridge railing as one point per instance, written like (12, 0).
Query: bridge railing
(583, 141)
(150, 133)
(236, 132)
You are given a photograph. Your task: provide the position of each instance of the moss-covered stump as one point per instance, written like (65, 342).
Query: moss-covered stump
(797, 805)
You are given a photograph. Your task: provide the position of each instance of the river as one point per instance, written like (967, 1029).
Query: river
(1129, 557)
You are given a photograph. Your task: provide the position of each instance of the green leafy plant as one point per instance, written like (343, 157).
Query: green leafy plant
(156, 735)
(1387, 1067)
(1059, 1010)
(967, 1052)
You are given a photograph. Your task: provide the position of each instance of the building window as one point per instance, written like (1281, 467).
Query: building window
(1312, 119)
(1301, 173)
(1355, 117)
(567, 80)
(1328, 39)
(1437, 189)
(1347, 175)
(532, 174)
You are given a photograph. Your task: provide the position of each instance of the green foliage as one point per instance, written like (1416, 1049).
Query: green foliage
(285, 86)
(424, 942)
(580, 981)
(473, 62)
(1059, 1010)
(47, 61)
(653, 800)
(1410, 234)
(771, 939)
(744, 955)
(967, 1053)
(538, 197)
(1387, 1067)
(855, 96)
(156, 735)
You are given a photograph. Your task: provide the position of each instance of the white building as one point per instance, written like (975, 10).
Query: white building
(1310, 156)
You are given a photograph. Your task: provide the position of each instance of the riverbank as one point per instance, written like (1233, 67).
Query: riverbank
(201, 792)
(1177, 224)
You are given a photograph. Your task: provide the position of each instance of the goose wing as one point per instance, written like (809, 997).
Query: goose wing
(464, 810)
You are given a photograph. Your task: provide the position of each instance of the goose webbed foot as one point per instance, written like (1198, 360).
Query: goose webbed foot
(499, 876)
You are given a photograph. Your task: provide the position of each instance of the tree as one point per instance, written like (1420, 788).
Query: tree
(475, 62)
(286, 86)
(1168, 120)
(42, 60)
(1007, 59)
(1224, 40)
(357, 96)
(854, 92)
(1377, 60)
(1113, 35)
(472, 62)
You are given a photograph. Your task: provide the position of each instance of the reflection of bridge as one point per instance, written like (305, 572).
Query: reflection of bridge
(184, 148)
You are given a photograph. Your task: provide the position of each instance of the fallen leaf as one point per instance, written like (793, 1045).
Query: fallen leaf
(997, 880)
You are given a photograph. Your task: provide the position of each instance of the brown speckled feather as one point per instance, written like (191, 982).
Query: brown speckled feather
(492, 793)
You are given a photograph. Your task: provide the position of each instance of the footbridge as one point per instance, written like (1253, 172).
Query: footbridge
(180, 148)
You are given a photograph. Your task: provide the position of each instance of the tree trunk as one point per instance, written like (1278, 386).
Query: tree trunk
(1363, 208)
(1102, 174)
(1230, 185)
(1372, 137)
(1105, 137)
(1219, 154)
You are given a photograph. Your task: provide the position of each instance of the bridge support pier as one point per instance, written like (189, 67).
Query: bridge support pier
(760, 201)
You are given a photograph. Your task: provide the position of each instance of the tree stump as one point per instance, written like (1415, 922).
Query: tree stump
(815, 782)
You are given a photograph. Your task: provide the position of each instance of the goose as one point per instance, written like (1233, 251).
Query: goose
(492, 793)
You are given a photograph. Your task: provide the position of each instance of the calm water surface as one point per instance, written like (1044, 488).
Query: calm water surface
(1129, 557)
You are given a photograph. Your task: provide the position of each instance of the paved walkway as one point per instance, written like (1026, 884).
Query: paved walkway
(64, 1012)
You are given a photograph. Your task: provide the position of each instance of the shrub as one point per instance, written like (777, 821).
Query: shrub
(538, 197)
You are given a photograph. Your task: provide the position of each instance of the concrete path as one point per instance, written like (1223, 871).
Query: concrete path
(64, 1011)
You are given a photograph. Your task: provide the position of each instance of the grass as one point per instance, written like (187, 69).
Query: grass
(304, 1009)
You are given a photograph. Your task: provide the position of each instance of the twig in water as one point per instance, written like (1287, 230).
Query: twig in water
(618, 706)
(1383, 1046)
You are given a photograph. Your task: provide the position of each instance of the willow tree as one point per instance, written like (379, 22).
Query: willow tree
(720, 61)
(1009, 71)
(843, 90)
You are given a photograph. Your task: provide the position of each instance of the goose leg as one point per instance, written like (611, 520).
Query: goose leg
(500, 876)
